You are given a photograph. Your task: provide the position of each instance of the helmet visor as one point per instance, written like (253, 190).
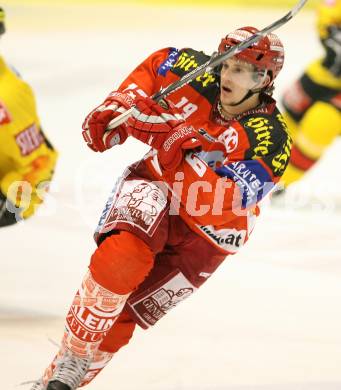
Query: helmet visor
(237, 73)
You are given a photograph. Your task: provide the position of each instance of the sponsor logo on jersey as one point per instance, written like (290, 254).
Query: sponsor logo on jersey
(169, 62)
(230, 240)
(245, 177)
(262, 130)
(281, 159)
(230, 139)
(206, 135)
(251, 177)
(5, 118)
(187, 63)
(270, 141)
(29, 140)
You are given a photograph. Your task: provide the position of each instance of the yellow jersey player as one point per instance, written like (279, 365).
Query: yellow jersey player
(313, 104)
(27, 158)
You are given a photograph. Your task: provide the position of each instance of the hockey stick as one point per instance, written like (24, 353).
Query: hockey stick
(213, 62)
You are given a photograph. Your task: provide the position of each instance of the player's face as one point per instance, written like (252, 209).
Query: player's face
(237, 78)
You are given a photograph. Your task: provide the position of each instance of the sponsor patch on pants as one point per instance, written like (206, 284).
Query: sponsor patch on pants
(139, 203)
(152, 304)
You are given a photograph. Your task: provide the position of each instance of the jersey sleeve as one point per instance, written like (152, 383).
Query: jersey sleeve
(148, 76)
(264, 161)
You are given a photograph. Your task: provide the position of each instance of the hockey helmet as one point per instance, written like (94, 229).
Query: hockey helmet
(266, 54)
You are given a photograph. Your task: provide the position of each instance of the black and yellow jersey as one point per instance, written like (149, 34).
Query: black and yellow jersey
(317, 84)
(313, 102)
(26, 156)
(313, 114)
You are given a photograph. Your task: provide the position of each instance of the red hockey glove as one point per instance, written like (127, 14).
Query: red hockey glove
(95, 125)
(163, 129)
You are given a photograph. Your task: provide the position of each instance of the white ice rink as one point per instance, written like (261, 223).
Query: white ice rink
(269, 319)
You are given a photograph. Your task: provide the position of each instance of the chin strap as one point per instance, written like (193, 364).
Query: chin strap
(247, 96)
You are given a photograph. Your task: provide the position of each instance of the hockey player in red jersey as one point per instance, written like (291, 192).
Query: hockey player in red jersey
(218, 146)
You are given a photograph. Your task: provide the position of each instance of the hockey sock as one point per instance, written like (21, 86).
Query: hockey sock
(117, 267)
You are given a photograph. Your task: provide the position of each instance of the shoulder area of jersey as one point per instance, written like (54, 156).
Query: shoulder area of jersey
(14, 91)
(264, 119)
(187, 59)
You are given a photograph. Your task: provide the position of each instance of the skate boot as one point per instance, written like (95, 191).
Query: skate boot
(68, 370)
(65, 373)
(84, 376)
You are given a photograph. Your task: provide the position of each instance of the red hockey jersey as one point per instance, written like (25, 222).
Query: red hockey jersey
(216, 191)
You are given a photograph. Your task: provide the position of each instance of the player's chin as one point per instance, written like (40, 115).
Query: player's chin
(226, 100)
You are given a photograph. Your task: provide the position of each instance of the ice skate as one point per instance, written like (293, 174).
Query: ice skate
(65, 373)
(68, 372)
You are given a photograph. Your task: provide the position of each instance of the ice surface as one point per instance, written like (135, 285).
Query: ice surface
(269, 319)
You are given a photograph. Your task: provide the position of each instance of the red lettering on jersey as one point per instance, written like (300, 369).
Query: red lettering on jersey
(230, 139)
(4, 115)
(29, 140)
